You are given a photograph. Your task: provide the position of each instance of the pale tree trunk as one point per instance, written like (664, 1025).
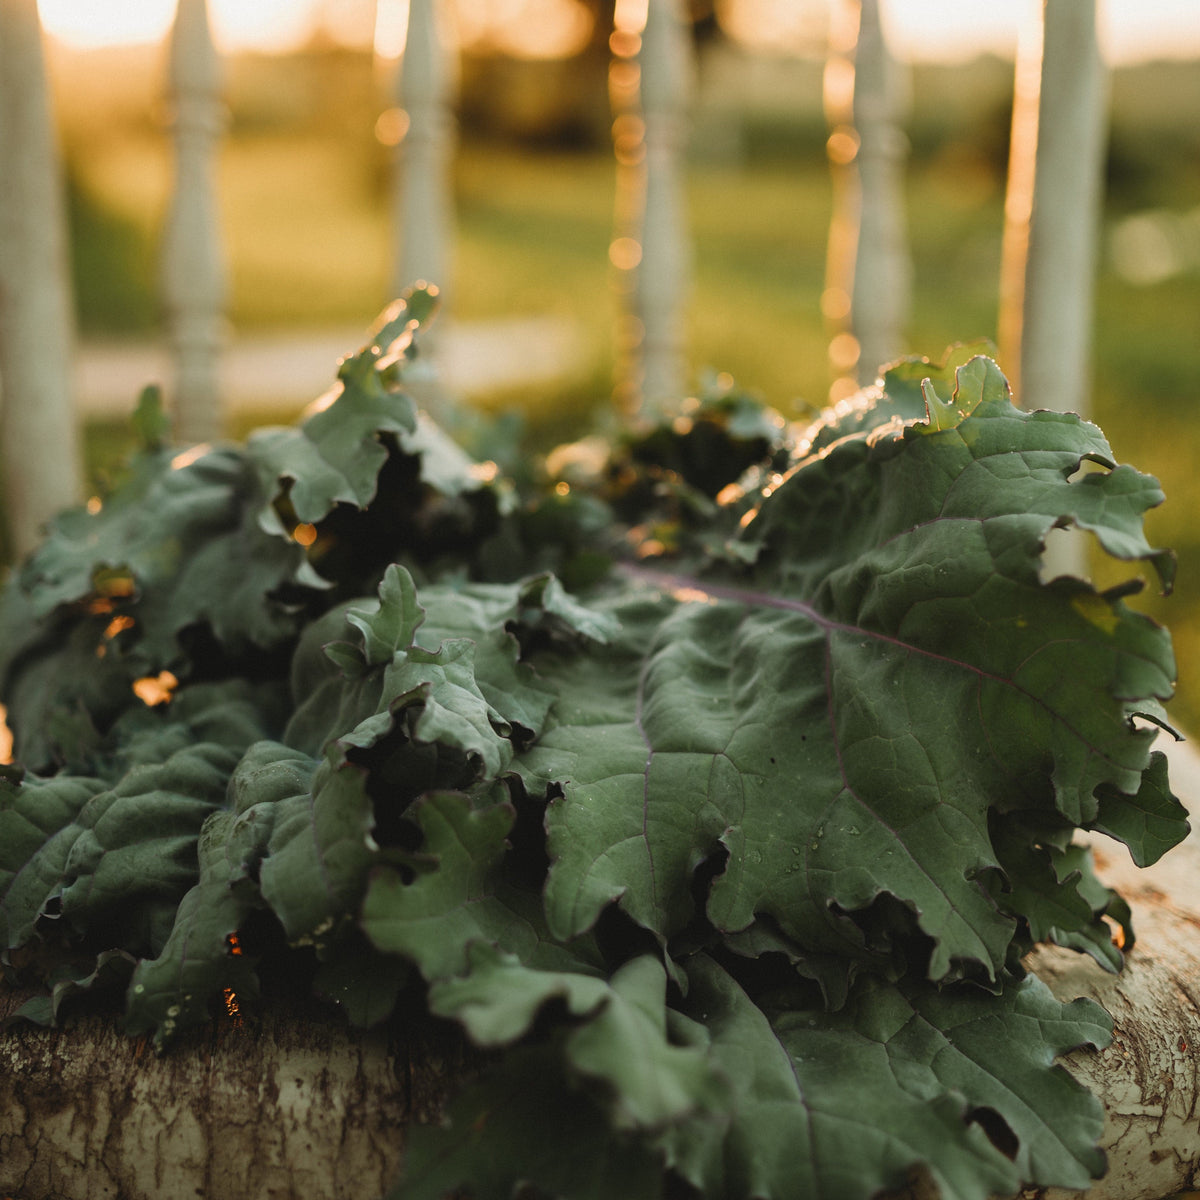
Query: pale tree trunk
(193, 261)
(297, 1105)
(41, 450)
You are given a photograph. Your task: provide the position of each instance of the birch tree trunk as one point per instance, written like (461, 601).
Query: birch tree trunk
(41, 450)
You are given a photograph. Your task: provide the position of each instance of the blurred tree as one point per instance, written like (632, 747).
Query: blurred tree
(554, 102)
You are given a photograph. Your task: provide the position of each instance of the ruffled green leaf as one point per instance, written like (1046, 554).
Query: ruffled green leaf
(364, 985)
(314, 872)
(181, 538)
(202, 956)
(847, 1104)
(524, 1122)
(976, 381)
(68, 982)
(548, 594)
(1150, 822)
(1051, 885)
(845, 720)
(457, 675)
(392, 626)
(450, 893)
(38, 828)
(623, 1040)
(701, 856)
(334, 456)
(86, 851)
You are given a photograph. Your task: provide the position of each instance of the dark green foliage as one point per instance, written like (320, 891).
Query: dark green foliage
(715, 784)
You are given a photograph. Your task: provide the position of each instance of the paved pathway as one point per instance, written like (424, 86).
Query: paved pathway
(283, 372)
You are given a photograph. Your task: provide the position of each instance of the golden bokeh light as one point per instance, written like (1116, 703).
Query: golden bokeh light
(842, 389)
(6, 737)
(835, 304)
(185, 458)
(842, 146)
(624, 43)
(625, 253)
(844, 351)
(153, 690)
(391, 126)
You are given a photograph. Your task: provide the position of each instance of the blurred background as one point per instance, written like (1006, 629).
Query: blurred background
(305, 179)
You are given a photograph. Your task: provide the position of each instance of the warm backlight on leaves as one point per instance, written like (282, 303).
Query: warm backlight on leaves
(185, 458)
(116, 626)
(155, 689)
(232, 1008)
(111, 585)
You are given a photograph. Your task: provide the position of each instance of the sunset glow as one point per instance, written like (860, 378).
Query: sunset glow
(526, 28)
(264, 25)
(918, 29)
(520, 28)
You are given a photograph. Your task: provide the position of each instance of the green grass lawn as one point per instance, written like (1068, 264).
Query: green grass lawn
(305, 214)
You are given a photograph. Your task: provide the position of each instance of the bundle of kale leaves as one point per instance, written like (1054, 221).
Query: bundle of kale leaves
(717, 778)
